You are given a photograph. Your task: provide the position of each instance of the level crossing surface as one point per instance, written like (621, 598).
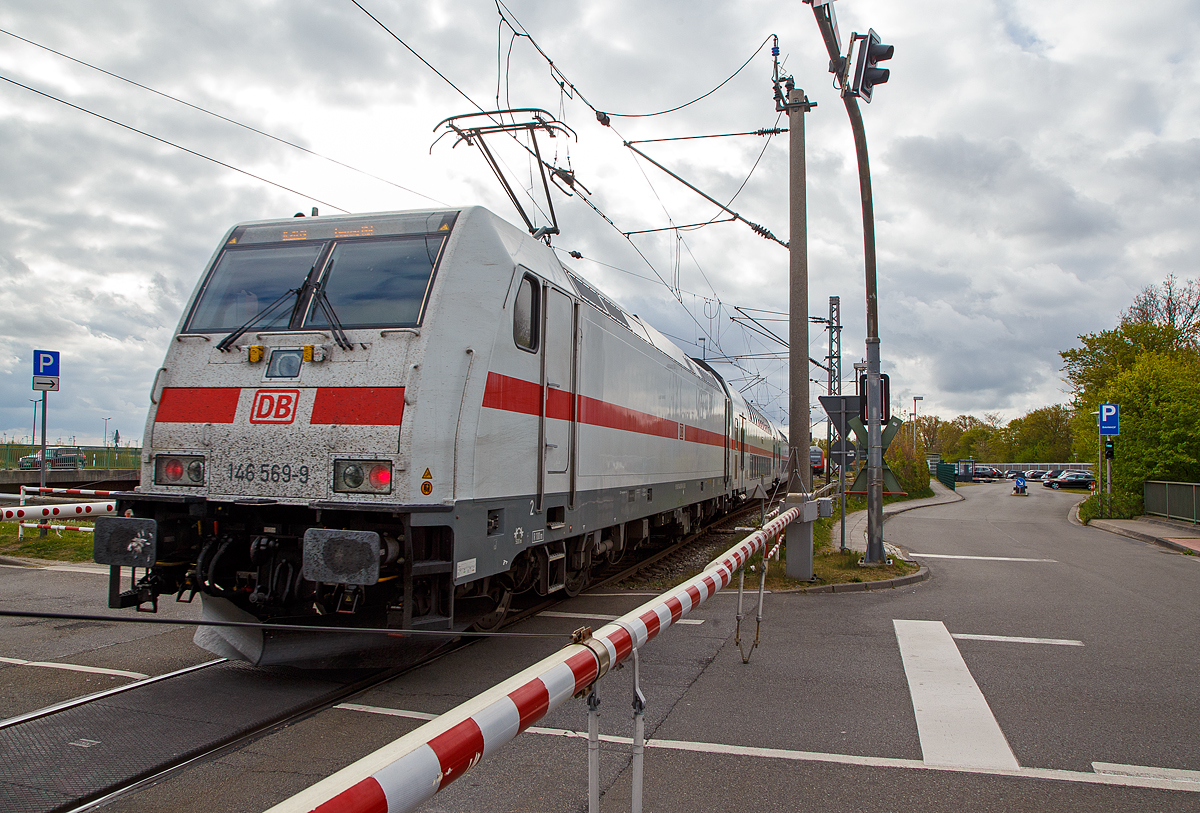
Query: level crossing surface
(1043, 666)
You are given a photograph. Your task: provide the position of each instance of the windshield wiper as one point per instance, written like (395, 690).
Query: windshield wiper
(335, 326)
(228, 341)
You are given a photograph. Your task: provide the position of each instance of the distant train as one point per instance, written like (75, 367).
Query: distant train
(816, 457)
(403, 420)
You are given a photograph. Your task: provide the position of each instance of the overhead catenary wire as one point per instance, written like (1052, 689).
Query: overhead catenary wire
(234, 122)
(176, 146)
(520, 30)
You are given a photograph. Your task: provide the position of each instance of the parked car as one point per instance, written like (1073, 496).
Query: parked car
(57, 457)
(1050, 475)
(988, 473)
(1071, 479)
(1013, 474)
(1036, 474)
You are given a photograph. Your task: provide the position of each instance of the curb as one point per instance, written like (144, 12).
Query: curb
(8, 560)
(1149, 539)
(862, 587)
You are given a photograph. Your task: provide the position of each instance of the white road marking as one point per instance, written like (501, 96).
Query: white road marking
(594, 617)
(1176, 774)
(95, 571)
(1147, 778)
(1009, 639)
(977, 558)
(72, 667)
(954, 722)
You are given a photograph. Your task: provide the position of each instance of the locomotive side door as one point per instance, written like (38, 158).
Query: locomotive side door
(557, 430)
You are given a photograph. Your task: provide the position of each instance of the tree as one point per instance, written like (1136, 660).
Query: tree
(1169, 304)
(1160, 422)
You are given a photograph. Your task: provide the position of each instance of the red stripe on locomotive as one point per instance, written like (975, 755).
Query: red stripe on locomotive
(197, 405)
(359, 406)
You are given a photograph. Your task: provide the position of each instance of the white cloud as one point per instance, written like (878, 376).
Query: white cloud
(1034, 167)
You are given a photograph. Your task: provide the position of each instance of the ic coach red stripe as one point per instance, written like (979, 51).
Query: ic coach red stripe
(197, 405)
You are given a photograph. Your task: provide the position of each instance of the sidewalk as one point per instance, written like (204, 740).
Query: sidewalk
(856, 523)
(1181, 536)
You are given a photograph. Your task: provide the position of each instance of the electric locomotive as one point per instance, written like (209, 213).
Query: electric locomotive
(403, 420)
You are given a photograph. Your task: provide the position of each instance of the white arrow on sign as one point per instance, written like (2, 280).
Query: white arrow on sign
(46, 382)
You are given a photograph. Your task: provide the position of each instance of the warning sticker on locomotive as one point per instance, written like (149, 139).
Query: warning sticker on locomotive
(465, 568)
(426, 488)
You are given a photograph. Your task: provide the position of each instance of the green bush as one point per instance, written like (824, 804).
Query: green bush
(1123, 506)
(909, 465)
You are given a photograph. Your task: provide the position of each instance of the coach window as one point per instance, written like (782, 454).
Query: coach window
(525, 310)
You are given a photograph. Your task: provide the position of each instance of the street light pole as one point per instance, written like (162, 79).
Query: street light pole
(915, 399)
(106, 420)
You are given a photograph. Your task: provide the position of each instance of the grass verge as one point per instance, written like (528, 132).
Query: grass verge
(60, 546)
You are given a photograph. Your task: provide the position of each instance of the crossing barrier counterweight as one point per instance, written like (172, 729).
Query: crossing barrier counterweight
(400, 776)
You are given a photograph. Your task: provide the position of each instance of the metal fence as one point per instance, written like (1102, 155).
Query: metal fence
(89, 457)
(945, 474)
(1170, 500)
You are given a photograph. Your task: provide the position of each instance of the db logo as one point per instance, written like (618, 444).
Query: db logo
(274, 406)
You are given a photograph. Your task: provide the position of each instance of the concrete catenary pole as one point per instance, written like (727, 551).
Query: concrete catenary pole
(799, 432)
(799, 536)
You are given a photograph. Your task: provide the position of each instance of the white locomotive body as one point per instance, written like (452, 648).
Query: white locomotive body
(402, 420)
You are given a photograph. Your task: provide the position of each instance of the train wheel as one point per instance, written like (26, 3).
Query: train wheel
(500, 593)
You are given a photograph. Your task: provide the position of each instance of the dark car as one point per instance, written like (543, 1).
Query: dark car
(1013, 474)
(1050, 475)
(57, 457)
(1036, 474)
(1071, 479)
(987, 473)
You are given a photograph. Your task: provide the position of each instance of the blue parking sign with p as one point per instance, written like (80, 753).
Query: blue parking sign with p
(45, 362)
(1110, 419)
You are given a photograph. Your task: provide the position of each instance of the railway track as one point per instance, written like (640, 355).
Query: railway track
(77, 755)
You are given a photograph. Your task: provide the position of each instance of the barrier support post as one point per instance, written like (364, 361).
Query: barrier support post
(593, 704)
(639, 735)
(800, 538)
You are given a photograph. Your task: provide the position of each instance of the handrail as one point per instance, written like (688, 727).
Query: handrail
(402, 775)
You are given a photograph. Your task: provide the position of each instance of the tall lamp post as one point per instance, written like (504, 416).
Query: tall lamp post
(33, 429)
(855, 83)
(106, 420)
(915, 399)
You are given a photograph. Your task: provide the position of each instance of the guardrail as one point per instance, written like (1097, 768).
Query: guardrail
(401, 776)
(1171, 500)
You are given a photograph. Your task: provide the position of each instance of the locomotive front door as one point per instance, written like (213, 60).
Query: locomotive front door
(558, 393)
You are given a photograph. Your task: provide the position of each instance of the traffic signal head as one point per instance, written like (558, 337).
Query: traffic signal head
(866, 75)
(1109, 447)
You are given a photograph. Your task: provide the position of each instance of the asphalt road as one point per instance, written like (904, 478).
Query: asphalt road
(1083, 659)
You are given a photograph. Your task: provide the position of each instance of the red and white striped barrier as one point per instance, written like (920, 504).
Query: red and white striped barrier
(400, 776)
(87, 529)
(16, 513)
(76, 491)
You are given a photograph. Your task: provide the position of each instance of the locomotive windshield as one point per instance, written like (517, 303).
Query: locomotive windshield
(377, 282)
(364, 282)
(246, 281)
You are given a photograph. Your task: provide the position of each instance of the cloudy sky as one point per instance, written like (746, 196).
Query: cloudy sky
(1036, 163)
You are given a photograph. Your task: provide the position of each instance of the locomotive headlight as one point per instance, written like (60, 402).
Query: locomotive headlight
(195, 471)
(352, 475)
(362, 476)
(178, 470)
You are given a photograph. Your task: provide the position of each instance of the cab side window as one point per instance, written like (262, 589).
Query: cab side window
(525, 315)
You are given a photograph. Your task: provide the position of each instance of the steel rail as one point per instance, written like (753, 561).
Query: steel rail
(91, 698)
